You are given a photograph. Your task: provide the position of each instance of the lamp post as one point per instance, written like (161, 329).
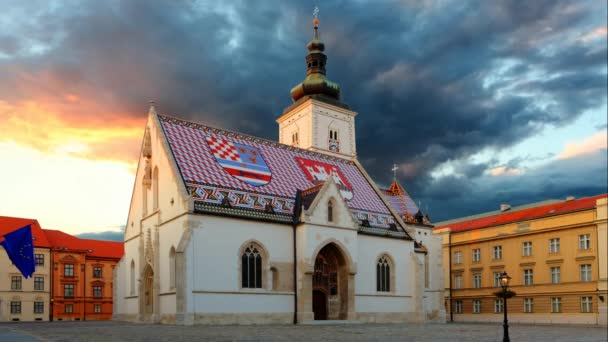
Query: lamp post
(504, 282)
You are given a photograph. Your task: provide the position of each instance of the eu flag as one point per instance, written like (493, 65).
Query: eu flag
(19, 246)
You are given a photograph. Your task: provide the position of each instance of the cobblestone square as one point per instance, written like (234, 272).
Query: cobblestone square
(118, 331)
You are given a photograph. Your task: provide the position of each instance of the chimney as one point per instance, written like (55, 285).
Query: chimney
(570, 198)
(505, 207)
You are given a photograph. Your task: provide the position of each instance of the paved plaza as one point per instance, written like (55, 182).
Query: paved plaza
(117, 331)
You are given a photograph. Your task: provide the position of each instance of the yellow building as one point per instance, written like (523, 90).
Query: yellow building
(554, 251)
(24, 299)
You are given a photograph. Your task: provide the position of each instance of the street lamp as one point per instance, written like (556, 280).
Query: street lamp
(504, 282)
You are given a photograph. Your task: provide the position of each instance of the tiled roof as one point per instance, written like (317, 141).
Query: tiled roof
(402, 202)
(240, 174)
(9, 224)
(526, 214)
(98, 248)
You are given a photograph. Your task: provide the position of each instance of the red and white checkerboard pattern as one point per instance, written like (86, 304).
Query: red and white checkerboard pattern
(198, 165)
(223, 149)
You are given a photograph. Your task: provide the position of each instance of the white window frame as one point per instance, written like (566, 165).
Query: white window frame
(497, 276)
(528, 305)
(476, 255)
(497, 252)
(476, 306)
(457, 258)
(554, 245)
(585, 272)
(458, 307)
(528, 277)
(498, 305)
(477, 280)
(556, 276)
(584, 241)
(457, 281)
(527, 248)
(556, 304)
(586, 304)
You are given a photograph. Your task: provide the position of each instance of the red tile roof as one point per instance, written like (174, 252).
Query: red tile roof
(9, 224)
(526, 214)
(103, 249)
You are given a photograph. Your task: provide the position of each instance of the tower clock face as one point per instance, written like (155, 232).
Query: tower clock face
(334, 146)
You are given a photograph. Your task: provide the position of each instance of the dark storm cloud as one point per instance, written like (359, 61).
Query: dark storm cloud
(416, 72)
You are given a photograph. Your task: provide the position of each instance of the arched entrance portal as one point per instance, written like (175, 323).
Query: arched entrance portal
(148, 290)
(330, 284)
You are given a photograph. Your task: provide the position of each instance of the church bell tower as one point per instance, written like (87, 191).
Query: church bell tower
(318, 120)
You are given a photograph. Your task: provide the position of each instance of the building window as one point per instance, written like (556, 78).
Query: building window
(38, 307)
(527, 248)
(497, 253)
(477, 280)
(584, 241)
(68, 290)
(68, 308)
(68, 270)
(586, 304)
(458, 307)
(172, 268)
(476, 255)
(498, 305)
(251, 268)
(497, 276)
(330, 211)
(555, 275)
(15, 307)
(39, 259)
(458, 281)
(477, 306)
(132, 278)
(586, 272)
(155, 188)
(97, 291)
(556, 304)
(554, 245)
(383, 275)
(528, 277)
(16, 283)
(334, 143)
(528, 305)
(457, 257)
(295, 141)
(97, 308)
(97, 273)
(39, 283)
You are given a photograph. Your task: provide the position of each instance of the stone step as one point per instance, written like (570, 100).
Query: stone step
(331, 322)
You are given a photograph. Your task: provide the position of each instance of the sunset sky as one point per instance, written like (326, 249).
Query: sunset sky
(478, 102)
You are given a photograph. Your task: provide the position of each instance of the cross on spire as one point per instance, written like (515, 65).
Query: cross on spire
(395, 169)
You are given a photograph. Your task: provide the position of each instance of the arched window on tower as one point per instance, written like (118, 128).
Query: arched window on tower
(383, 274)
(155, 188)
(132, 277)
(330, 211)
(251, 267)
(333, 142)
(172, 268)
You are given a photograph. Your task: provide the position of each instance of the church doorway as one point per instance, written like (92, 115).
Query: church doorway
(148, 290)
(330, 284)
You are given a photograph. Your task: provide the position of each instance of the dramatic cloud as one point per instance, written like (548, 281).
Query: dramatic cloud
(434, 82)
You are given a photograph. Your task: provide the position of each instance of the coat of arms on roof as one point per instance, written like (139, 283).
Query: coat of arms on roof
(241, 161)
(318, 172)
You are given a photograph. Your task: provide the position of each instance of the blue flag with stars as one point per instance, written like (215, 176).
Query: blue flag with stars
(19, 246)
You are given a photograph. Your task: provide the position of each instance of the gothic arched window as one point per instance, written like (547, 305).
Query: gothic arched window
(330, 211)
(383, 274)
(172, 268)
(132, 277)
(251, 267)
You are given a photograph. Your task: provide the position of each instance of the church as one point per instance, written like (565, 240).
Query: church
(227, 228)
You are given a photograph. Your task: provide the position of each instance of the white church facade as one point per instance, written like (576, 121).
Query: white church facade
(226, 228)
